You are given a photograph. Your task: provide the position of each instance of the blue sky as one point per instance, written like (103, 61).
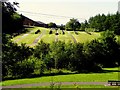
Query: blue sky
(80, 9)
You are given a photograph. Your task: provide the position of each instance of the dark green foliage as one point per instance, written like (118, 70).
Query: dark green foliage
(62, 27)
(12, 53)
(75, 56)
(110, 48)
(52, 25)
(23, 69)
(41, 50)
(73, 25)
(84, 25)
(11, 21)
(106, 22)
(104, 51)
(58, 54)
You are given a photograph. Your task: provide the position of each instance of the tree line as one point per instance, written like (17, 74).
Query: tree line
(106, 22)
(97, 23)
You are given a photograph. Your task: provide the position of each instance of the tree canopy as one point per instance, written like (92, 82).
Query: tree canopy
(52, 25)
(11, 21)
(73, 24)
(106, 22)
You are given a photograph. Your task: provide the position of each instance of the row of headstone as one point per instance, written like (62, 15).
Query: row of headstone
(57, 33)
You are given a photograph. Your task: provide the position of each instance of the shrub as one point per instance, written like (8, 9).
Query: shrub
(23, 69)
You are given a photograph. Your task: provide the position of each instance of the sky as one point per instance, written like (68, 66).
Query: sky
(60, 11)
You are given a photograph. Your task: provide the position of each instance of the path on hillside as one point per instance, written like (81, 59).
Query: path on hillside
(24, 35)
(75, 41)
(38, 38)
(56, 83)
(56, 38)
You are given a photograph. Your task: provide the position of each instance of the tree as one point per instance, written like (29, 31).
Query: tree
(84, 25)
(52, 25)
(110, 48)
(73, 24)
(106, 22)
(12, 54)
(62, 27)
(11, 21)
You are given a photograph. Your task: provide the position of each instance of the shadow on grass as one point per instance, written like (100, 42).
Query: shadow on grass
(59, 73)
(37, 75)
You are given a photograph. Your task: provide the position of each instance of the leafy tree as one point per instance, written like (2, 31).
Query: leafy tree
(84, 25)
(115, 24)
(73, 24)
(11, 21)
(52, 25)
(110, 48)
(106, 22)
(41, 49)
(23, 68)
(62, 27)
(92, 52)
(58, 54)
(12, 53)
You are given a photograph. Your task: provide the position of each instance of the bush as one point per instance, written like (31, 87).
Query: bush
(12, 54)
(23, 69)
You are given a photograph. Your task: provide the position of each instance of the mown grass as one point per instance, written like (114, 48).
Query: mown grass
(83, 37)
(83, 77)
(66, 37)
(48, 38)
(29, 37)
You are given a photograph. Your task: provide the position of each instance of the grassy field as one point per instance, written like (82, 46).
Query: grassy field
(30, 36)
(83, 77)
(66, 37)
(48, 38)
(83, 37)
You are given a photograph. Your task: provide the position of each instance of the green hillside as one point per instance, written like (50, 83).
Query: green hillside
(30, 38)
